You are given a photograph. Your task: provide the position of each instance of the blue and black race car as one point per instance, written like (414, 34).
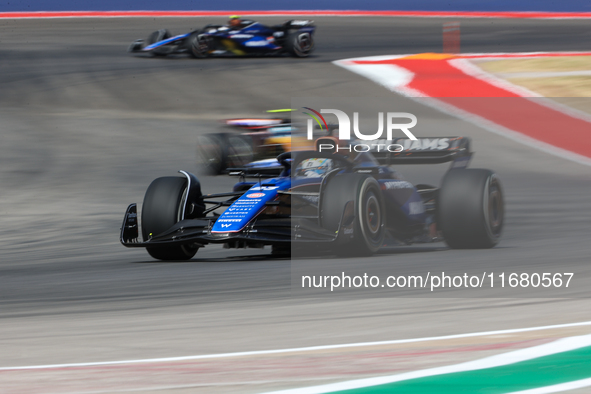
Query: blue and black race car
(239, 38)
(351, 202)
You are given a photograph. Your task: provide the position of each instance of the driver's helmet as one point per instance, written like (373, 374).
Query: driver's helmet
(314, 167)
(234, 21)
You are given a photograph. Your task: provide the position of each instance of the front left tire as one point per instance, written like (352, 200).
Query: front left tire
(198, 45)
(162, 208)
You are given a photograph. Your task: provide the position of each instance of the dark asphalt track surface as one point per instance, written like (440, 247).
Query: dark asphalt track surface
(85, 128)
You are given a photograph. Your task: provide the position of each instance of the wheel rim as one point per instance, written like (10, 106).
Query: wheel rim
(373, 215)
(199, 46)
(371, 218)
(370, 213)
(494, 210)
(303, 43)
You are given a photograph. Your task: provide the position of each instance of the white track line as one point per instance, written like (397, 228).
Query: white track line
(559, 346)
(301, 349)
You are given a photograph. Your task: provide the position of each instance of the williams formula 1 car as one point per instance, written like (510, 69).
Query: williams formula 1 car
(352, 203)
(295, 37)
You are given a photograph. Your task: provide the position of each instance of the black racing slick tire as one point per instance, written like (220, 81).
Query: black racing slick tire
(198, 45)
(299, 44)
(156, 36)
(470, 209)
(210, 154)
(217, 152)
(366, 217)
(162, 208)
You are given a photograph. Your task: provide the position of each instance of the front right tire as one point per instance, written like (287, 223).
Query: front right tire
(198, 45)
(299, 44)
(368, 213)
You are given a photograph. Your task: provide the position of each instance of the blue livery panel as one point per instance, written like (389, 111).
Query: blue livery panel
(248, 206)
(164, 42)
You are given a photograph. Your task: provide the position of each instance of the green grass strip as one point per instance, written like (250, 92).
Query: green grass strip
(538, 372)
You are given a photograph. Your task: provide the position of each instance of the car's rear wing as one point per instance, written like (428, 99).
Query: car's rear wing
(298, 23)
(426, 150)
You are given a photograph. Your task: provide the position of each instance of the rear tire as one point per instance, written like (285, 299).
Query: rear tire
(471, 209)
(299, 44)
(239, 150)
(162, 208)
(369, 227)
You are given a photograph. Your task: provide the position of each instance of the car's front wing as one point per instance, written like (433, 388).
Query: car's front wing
(268, 231)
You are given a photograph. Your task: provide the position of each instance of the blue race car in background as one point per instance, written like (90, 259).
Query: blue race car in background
(352, 203)
(247, 38)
